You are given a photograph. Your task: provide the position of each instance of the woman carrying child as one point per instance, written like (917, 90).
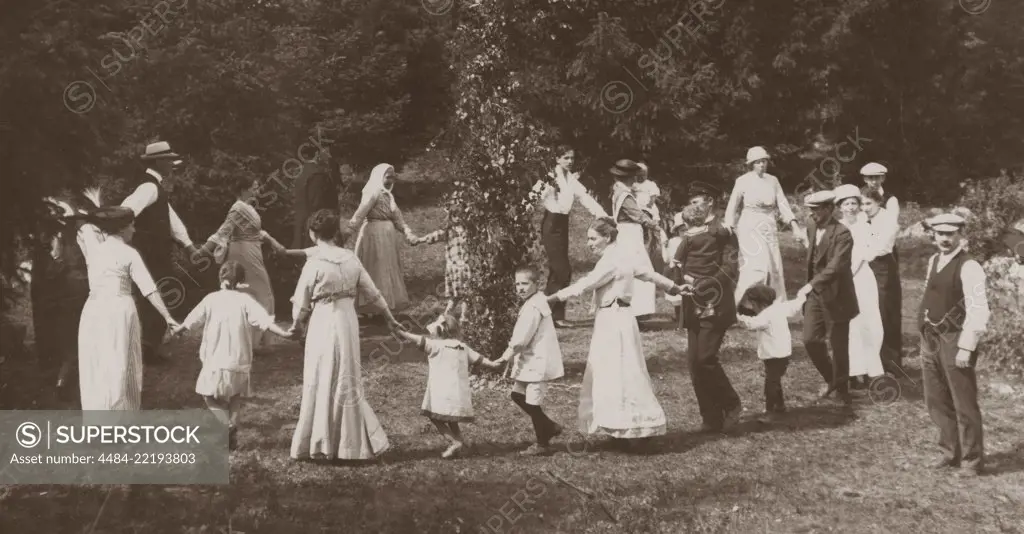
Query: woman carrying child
(335, 420)
(448, 399)
(228, 317)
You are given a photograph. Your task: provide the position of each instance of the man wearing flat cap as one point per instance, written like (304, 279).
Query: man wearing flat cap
(157, 226)
(831, 298)
(884, 224)
(954, 314)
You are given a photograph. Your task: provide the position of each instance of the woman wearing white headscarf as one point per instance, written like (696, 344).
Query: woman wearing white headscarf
(378, 246)
(756, 206)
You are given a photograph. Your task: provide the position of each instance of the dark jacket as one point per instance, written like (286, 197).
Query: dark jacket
(829, 271)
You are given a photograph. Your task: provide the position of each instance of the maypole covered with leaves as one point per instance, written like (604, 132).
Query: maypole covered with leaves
(498, 154)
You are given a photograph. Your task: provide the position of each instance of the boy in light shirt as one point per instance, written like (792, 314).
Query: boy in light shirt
(538, 358)
(758, 311)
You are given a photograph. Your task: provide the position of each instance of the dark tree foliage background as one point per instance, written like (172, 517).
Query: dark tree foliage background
(934, 91)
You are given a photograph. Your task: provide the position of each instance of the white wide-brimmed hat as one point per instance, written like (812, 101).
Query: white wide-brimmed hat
(873, 169)
(945, 222)
(844, 192)
(819, 198)
(757, 153)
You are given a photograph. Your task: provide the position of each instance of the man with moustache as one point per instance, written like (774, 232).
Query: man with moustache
(831, 300)
(954, 314)
(157, 227)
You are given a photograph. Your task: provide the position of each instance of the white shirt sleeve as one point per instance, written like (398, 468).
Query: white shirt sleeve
(972, 276)
(588, 201)
(143, 197)
(178, 229)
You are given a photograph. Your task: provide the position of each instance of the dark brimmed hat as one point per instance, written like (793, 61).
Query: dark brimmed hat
(112, 219)
(626, 168)
(701, 188)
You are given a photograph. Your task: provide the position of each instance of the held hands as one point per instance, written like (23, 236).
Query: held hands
(804, 291)
(963, 358)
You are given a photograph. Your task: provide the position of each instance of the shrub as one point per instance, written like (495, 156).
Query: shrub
(996, 206)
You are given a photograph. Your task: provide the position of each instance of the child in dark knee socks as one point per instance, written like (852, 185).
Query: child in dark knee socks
(538, 358)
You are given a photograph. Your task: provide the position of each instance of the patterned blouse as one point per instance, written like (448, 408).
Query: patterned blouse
(456, 270)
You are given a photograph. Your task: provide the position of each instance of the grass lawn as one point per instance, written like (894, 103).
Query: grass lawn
(815, 471)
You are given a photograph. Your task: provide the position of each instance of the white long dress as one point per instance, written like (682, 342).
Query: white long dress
(866, 331)
(335, 419)
(756, 207)
(109, 342)
(631, 238)
(617, 398)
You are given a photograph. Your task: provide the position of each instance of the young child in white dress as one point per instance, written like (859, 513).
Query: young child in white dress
(758, 311)
(448, 399)
(538, 358)
(227, 317)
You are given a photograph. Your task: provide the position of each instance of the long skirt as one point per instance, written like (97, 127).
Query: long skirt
(631, 235)
(617, 398)
(866, 332)
(110, 354)
(760, 257)
(335, 420)
(379, 249)
(250, 255)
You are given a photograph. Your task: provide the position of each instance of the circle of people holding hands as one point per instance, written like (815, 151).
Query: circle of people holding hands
(850, 303)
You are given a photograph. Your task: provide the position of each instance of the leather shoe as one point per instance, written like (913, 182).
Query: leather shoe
(945, 463)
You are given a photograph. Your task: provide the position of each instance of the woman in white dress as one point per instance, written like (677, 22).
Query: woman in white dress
(617, 398)
(335, 420)
(866, 332)
(109, 342)
(756, 206)
(632, 221)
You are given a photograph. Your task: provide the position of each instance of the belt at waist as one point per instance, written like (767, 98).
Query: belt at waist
(378, 219)
(331, 297)
(617, 302)
(548, 212)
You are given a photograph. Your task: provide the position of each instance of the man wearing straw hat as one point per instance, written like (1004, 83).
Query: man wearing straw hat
(954, 314)
(831, 298)
(157, 226)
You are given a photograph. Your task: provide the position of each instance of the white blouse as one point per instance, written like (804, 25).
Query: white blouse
(758, 193)
(612, 279)
(112, 265)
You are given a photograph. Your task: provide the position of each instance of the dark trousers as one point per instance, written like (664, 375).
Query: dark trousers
(715, 395)
(890, 300)
(819, 332)
(774, 370)
(554, 230)
(951, 394)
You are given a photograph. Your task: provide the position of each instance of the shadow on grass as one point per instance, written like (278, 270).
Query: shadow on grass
(1002, 463)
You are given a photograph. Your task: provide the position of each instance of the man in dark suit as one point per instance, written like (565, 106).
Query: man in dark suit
(831, 300)
(316, 188)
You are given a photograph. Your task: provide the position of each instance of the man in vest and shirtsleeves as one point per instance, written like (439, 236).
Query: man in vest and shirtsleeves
(954, 314)
(157, 227)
